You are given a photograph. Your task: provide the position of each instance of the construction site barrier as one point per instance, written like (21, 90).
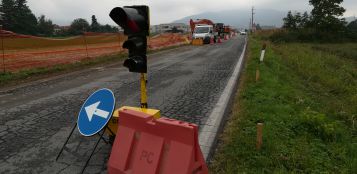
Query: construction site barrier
(21, 52)
(147, 145)
(197, 42)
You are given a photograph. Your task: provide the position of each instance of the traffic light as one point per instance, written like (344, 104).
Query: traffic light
(135, 22)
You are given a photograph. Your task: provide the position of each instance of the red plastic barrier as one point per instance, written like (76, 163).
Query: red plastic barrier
(145, 145)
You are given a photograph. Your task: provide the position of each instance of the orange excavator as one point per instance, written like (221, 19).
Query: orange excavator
(227, 29)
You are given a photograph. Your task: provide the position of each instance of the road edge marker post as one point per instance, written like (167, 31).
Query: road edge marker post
(263, 52)
(259, 136)
(257, 75)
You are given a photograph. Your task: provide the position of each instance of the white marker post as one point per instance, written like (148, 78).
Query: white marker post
(263, 52)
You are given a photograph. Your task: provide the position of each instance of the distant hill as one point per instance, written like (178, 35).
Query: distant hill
(240, 17)
(350, 19)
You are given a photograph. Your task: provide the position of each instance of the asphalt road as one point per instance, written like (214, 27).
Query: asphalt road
(36, 118)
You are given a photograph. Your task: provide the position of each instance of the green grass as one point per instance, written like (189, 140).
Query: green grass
(307, 99)
(348, 50)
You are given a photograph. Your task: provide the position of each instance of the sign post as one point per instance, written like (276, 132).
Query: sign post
(93, 118)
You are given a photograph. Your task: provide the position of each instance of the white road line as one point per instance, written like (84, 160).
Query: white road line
(208, 133)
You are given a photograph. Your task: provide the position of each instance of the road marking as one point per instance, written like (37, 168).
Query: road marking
(208, 133)
(92, 110)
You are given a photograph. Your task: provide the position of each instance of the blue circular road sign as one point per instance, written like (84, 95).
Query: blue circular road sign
(96, 112)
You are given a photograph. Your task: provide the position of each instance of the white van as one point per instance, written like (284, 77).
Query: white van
(204, 32)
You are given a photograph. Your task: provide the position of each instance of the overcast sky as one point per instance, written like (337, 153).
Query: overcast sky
(162, 11)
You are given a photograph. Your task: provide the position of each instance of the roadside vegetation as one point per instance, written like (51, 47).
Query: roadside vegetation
(324, 24)
(306, 97)
(18, 17)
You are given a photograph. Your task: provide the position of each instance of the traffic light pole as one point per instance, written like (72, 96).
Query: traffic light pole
(136, 24)
(143, 90)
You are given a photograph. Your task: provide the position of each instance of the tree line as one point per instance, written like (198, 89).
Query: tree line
(324, 23)
(16, 16)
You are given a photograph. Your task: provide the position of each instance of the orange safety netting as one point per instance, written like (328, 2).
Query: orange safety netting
(26, 52)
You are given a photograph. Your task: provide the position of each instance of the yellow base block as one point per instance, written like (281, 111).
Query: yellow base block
(197, 42)
(187, 41)
(113, 122)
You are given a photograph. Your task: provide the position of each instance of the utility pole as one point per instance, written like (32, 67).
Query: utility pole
(250, 24)
(253, 18)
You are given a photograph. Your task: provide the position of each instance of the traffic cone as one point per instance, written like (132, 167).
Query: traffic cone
(219, 40)
(211, 41)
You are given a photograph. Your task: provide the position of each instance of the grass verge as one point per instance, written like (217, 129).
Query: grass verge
(307, 100)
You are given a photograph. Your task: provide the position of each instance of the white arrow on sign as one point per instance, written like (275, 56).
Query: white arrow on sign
(92, 110)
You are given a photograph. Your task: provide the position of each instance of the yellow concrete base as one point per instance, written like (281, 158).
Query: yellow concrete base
(113, 122)
(197, 42)
(187, 41)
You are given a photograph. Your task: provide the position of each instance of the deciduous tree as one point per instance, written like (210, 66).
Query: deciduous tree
(18, 17)
(290, 21)
(45, 26)
(95, 26)
(78, 26)
(324, 15)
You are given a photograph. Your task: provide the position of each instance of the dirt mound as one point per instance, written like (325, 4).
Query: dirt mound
(10, 34)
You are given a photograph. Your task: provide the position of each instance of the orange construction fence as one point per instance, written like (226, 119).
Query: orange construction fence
(21, 52)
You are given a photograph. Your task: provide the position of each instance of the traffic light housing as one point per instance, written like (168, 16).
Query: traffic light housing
(135, 22)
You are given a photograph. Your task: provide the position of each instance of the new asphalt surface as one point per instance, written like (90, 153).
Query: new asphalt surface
(35, 119)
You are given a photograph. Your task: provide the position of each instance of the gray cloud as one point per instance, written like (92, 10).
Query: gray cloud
(64, 11)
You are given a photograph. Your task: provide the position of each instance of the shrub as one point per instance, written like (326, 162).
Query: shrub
(311, 35)
(320, 126)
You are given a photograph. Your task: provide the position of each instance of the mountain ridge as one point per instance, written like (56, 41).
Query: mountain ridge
(240, 18)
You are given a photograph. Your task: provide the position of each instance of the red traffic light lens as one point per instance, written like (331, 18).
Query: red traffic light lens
(132, 19)
(132, 25)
